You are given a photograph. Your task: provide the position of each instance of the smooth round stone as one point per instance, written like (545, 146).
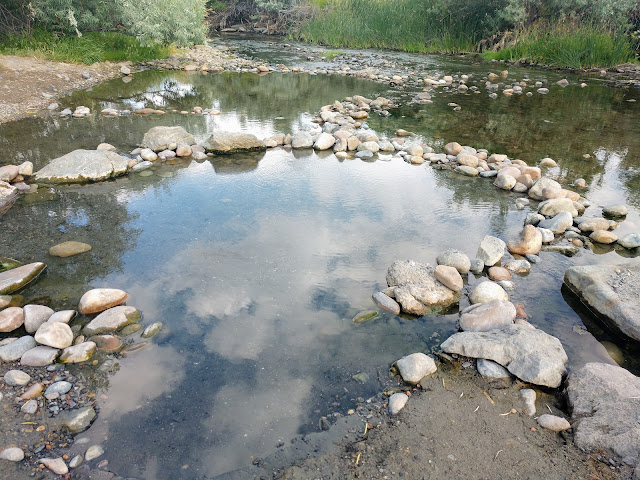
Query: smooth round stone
(30, 407)
(580, 183)
(364, 154)
(63, 316)
(59, 388)
(93, 451)
(449, 277)
(11, 318)
(35, 316)
(33, 391)
(415, 367)
(12, 454)
(498, 274)
(397, 401)
(56, 465)
(68, 249)
(507, 285)
(152, 330)
(78, 353)
(386, 303)
(553, 423)
(107, 343)
(632, 240)
(548, 162)
(532, 258)
(477, 266)
(76, 461)
(130, 329)
(56, 335)
(603, 236)
(14, 350)
(547, 235)
(16, 378)
(489, 173)
(533, 218)
(467, 171)
(483, 317)
(456, 259)
(615, 211)
(593, 224)
(491, 369)
(39, 356)
(100, 299)
(518, 266)
(529, 241)
(76, 420)
(488, 291)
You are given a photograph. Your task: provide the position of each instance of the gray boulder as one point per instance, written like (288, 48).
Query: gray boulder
(83, 166)
(232, 142)
(610, 291)
(528, 353)
(160, 138)
(535, 192)
(415, 367)
(605, 410)
(558, 223)
(302, 140)
(456, 259)
(491, 250)
(14, 350)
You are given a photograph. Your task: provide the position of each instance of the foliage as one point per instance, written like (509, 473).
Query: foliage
(90, 48)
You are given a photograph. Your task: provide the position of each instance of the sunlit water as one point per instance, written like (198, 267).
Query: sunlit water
(257, 263)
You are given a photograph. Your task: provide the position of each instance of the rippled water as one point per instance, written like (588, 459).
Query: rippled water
(257, 263)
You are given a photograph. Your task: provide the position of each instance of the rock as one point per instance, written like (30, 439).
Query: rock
(548, 162)
(160, 138)
(603, 236)
(551, 208)
(477, 266)
(30, 407)
(593, 224)
(64, 316)
(518, 266)
(558, 224)
(372, 147)
(16, 378)
(534, 218)
(302, 140)
(124, 70)
(83, 166)
(112, 320)
(610, 291)
(528, 353)
(11, 318)
(615, 211)
(12, 454)
(453, 148)
(505, 182)
(76, 461)
(152, 330)
(535, 192)
(467, 171)
(492, 370)
(93, 451)
(148, 155)
(57, 388)
(78, 353)
(386, 303)
(231, 142)
(498, 274)
(553, 423)
(35, 316)
(324, 142)
(415, 367)
(16, 278)
(605, 410)
(56, 465)
(468, 160)
(100, 299)
(487, 291)
(529, 397)
(530, 242)
(397, 401)
(417, 290)
(491, 250)
(34, 391)
(632, 240)
(16, 349)
(449, 277)
(56, 335)
(78, 420)
(456, 259)
(106, 146)
(68, 249)
(547, 235)
(365, 316)
(488, 316)
(107, 343)
(8, 196)
(39, 356)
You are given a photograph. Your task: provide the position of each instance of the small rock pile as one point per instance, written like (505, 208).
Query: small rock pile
(12, 184)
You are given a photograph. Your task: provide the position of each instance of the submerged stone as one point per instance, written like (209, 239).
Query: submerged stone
(78, 420)
(78, 353)
(68, 249)
(365, 316)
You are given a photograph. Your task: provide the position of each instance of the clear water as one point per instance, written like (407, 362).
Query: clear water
(257, 263)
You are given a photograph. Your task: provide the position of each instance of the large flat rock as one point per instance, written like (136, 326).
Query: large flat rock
(528, 353)
(606, 410)
(611, 292)
(232, 142)
(82, 166)
(16, 278)
(162, 138)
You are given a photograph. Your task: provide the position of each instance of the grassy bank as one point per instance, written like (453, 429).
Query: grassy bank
(565, 47)
(90, 48)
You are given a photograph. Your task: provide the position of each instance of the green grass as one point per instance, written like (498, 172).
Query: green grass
(568, 47)
(393, 24)
(331, 54)
(90, 48)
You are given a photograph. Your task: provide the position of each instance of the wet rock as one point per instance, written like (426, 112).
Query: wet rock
(417, 290)
(56, 389)
(504, 181)
(529, 397)
(548, 162)
(530, 241)
(130, 329)
(35, 316)
(553, 207)
(39, 356)
(518, 266)
(491, 250)
(30, 407)
(161, 138)
(605, 410)
(491, 370)
(34, 391)
(467, 171)
(11, 318)
(231, 142)
(449, 277)
(16, 378)
(16, 278)
(107, 343)
(68, 249)
(8, 196)
(93, 451)
(112, 320)
(152, 330)
(610, 291)
(603, 236)
(78, 353)
(83, 166)
(456, 259)
(477, 266)
(64, 316)
(553, 423)
(397, 401)
(453, 148)
(324, 142)
(100, 299)
(528, 353)
(415, 367)
(533, 218)
(302, 140)
(488, 316)
(386, 303)
(76, 461)
(558, 224)
(593, 224)
(615, 210)
(56, 465)
(632, 240)
(535, 192)
(56, 335)
(547, 235)
(487, 291)
(365, 316)
(78, 420)
(498, 274)
(14, 350)
(12, 454)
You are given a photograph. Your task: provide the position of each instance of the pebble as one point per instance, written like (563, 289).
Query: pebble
(415, 367)
(93, 451)
(386, 303)
(76, 461)
(30, 407)
(365, 316)
(16, 378)
(632, 240)
(58, 388)
(491, 369)
(397, 401)
(553, 423)
(56, 465)
(68, 249)
(12, 454)
(529, 397)
(477, 266)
